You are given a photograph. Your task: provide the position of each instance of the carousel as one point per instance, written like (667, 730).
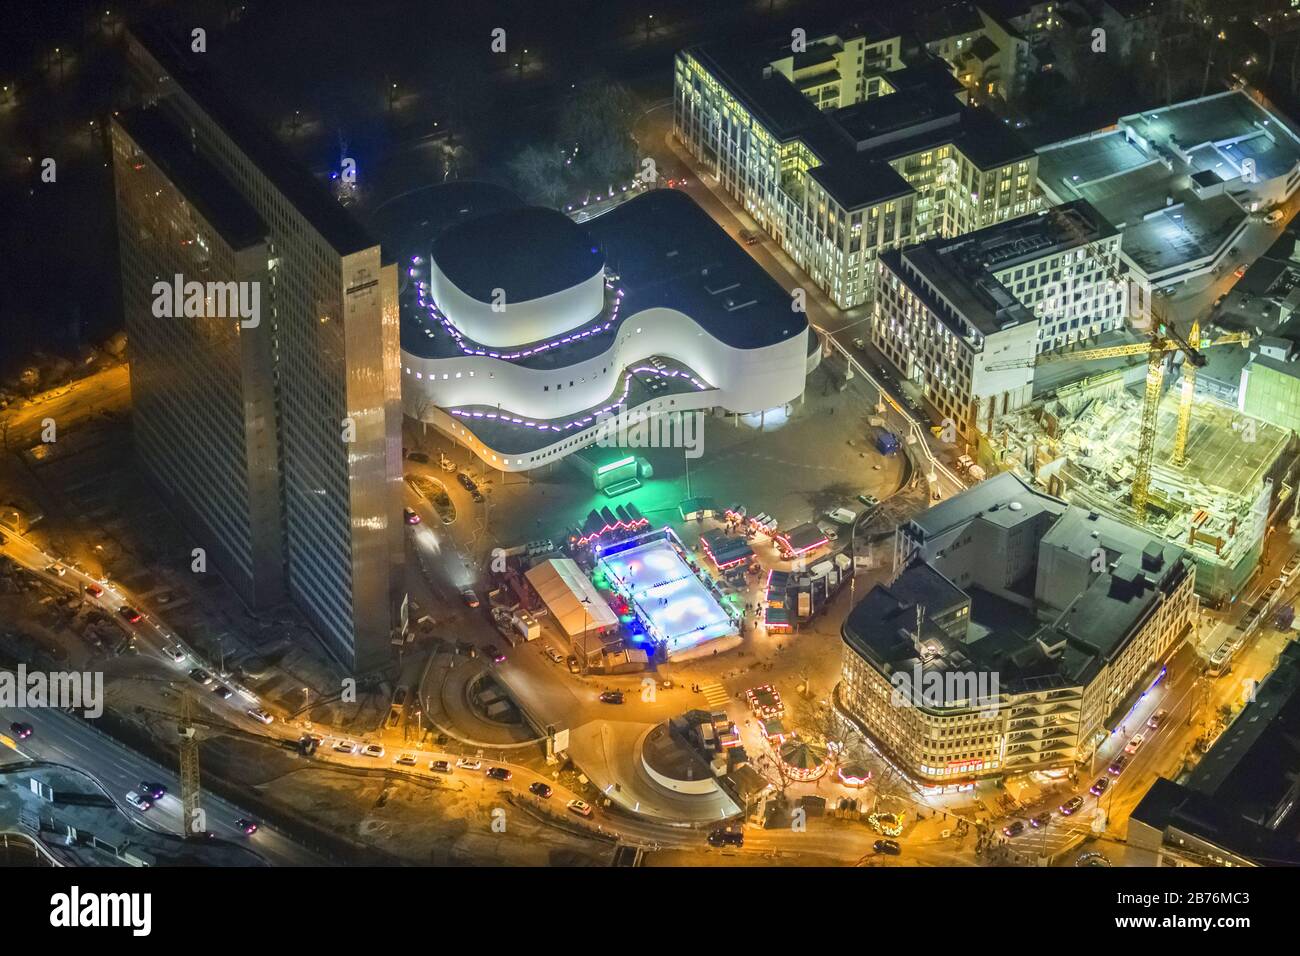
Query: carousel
(803, 761)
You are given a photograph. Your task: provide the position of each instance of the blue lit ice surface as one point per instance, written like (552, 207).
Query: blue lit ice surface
(676, 607)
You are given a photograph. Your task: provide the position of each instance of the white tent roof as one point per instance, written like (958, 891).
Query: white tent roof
(571, 597)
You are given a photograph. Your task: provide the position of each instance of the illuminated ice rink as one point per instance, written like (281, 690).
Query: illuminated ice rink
(676, 607)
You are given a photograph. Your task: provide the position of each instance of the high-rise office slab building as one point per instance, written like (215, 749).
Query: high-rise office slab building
(326, 340)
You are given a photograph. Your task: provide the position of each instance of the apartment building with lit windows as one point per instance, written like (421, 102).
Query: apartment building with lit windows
(841, 151)
(329, 326)
(1030, 626)
(963, 318)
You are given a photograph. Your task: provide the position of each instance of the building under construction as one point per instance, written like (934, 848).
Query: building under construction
(1081, 443)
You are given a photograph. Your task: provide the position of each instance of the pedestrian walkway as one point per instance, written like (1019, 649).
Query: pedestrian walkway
(716, 695)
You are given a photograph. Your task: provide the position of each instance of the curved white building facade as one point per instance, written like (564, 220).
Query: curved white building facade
(690, 323)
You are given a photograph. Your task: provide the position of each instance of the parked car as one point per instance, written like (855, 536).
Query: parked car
(200, 676)
(58, 569)
(20, 731)
(410, 516)
(539, 789)
(611, 697)
(889, 847)
(466, 481)
(553, 654)
(372, 750)
(724, 837)
(1240, 270)
(1157, 719)
(176, 654)
(1071, 806)
(246, 826)
(869, 500)
(572, 663)
(257, 713)
(749, 236)
(499, 773)
(580, 807)
(469, 597)
(1273, 217)
(1099, 786)
(137, 801)
(405, 760)
(469, 763)
(346, 747)
(440, 766)
(419, 456)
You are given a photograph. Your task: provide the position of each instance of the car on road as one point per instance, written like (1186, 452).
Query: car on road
(58, 569)
(1099, 786)
(1132, 746)
(1273, 217)
(469, 597)
(176, 654)
(581, 807)
(889, 847)
(1041, 820)
(410, 516)
(749, 236)
(469, 763)
(494, 653)
(440, 766)
(200, 676)
(1240, 270)
(860, 345)
(553, 654)
(572, 663)
(257, 713)
(154, 791)
(372, 750)
(129, 614)
(611, 697)
(245, 826)
(222, 691)
(539, 789)
(1117, 767)
(477, 496)
(94, 590)
(137, 801)
(419, 456)
(498, 773)
(1071, 806)
(346, 747)
(1014, 828)
(1157, 719)
(869, 500)
(725, 837)
(466, 481)
(405, 760)
(20, 731)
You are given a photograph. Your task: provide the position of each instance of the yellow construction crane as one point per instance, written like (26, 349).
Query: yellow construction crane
(1164, 340)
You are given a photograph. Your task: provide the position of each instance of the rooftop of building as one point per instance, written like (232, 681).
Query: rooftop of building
(667, 252)
(972, 292)
(308, 196)
(1241, 796)
(215, 199)
(1004, 499)
(855, 144)
(1138, 565)
(526, 253)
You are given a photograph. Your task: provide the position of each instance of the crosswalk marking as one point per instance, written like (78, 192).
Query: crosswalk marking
(715, 694)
